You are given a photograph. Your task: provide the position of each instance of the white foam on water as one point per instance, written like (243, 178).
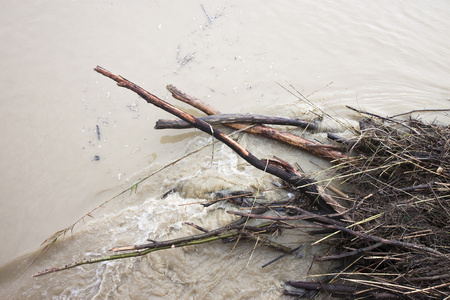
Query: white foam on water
(375, 57)
(203, 271)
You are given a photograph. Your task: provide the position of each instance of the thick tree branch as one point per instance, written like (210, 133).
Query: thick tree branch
(329, 152)
(304, 184)
(236, 118)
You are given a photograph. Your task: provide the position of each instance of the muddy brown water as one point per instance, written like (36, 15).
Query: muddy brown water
(71, 139)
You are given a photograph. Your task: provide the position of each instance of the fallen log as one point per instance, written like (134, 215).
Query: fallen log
(236, 118)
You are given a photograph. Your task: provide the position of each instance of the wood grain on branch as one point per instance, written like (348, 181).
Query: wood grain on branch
(236, 118)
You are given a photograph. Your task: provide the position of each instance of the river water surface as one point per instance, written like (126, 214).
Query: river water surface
(71, 139)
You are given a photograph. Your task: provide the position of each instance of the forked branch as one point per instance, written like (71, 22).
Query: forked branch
(304, 184)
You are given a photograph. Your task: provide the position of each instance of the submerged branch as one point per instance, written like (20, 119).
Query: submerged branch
(236, 228)
(93, 261)
(184, 240)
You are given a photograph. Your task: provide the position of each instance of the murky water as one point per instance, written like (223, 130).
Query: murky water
(72, 139)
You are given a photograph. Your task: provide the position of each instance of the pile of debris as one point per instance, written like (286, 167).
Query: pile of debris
(389, 231)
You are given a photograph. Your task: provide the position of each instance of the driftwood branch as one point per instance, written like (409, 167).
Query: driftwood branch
(333, 224)
(222, 232)
(232, 230)
(329, 287)
(281, 256)
(420, 110)
(387, 241)
(342, 290)
(305, 216)
(329, 152)
(236, 118)
(304, 184)
(351, 253)
(194, 102)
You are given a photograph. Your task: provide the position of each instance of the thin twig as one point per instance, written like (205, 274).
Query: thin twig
(388, 242)
(419, 110)
(281, 256)
(351, 253)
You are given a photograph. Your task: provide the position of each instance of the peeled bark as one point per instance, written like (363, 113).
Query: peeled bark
(236, 118)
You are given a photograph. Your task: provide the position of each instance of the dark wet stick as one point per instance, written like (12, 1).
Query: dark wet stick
(98, 132)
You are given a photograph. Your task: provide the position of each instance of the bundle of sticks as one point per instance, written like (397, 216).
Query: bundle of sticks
(396, 175)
